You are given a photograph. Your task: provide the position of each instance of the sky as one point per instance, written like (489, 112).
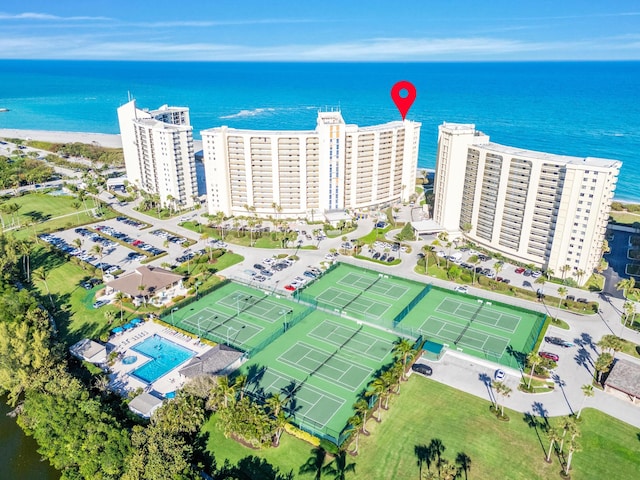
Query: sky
(312, 31)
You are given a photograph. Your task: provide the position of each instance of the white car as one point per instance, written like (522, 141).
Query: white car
(461, 289)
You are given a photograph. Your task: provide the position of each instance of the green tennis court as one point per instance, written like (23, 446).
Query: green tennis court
(485, 329)
(321, 364)
(362, 294)
(236, 315)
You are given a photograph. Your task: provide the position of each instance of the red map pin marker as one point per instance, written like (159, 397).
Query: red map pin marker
(403, 103)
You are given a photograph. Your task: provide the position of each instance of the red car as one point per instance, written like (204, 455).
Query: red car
(550, 356)
(520, 270)
(291, 288)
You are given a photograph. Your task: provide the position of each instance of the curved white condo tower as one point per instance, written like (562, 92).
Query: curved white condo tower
(308, 173)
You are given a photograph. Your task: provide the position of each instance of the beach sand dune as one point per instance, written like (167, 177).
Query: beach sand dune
(101, 139)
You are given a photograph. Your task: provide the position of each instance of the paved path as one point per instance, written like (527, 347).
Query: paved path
(463, 372)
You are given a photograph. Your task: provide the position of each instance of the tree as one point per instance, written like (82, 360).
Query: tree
(573, 447)
(77, 242)
(76, 206)
(587, 391)
(354, 428)
(361, 407)
(498, 267)
(403, 349)
(568, 425)
(611, 343)
(41, 274)
(626, 285)
(554, 438)
(603, 364)
(475, 261)
(119, 298)
(448, 470)
(436, 448)
(579, 274)
(533, 359)
(564, 269)
(562, 292)
(502, 390)
(629, 312)
(549, 273)
(378, 390)
(109, 316)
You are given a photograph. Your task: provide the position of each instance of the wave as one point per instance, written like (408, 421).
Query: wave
(265, 111)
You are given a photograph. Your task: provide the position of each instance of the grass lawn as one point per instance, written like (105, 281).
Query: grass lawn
(206, 268)
(426, 409)
(75, 316)
(625, 217)
(40, 212)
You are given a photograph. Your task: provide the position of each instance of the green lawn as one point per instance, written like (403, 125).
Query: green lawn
(426, 409)
(40, 212)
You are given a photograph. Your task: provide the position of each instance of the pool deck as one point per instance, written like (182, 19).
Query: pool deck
(120, 379)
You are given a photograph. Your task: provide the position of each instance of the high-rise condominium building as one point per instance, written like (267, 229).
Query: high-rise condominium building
(158, 152)
(307, 173)
(537, 208)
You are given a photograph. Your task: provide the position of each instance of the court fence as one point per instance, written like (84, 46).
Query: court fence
(189, 300)
(294, 320)
(405, 311)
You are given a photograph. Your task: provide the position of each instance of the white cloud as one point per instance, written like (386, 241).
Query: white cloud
(100, 47)
(45, 16)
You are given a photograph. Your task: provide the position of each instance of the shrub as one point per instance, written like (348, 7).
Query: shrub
(329, 447)
(302, 435)
(177, 298)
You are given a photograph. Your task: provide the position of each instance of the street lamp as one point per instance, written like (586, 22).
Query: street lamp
(199, 330)
(173, 310)
(228, 330)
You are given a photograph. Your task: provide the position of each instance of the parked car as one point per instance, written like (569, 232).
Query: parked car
(461, 289)
(571, 297)
(290, 288)
(499, 374)
(550, 356)
(100, 303)
(582, 300)
(520, 270)
(422, 368)
(558, 341)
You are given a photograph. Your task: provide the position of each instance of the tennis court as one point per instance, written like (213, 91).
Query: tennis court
(492, 330)
(362, 294)
(321, 364)
(236, 315)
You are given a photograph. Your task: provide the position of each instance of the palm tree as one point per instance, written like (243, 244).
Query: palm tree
(436, 243)
(549, 273)
(579, 274)
(564, 270)
(554, 438)
(240, 383)
(41, 274)
(611, 343)
(226, 391)
(562, 292)
(76, 206)
(587, 390)
(629, 312)
(403, 349)
(354, 428)
(339, 467)
(436, 448)
(626, 285)
(573, 447)
(279, 423)
(77, 242)
(568, 425)
(25, 249)
(448, 470)
(276, 403)
(475, 261)
(603, 364)
(119, 298)
(361, 407)
(109, 316)
(502, 390)
(534, 360)
(498, 266)
(378, 390)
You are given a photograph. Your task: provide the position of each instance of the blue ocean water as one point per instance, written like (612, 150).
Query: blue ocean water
(571, 108)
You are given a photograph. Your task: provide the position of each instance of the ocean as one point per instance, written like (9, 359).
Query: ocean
(570, 108)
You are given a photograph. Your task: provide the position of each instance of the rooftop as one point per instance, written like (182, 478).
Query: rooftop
(211, 362)
(153, 279)
(625, 376)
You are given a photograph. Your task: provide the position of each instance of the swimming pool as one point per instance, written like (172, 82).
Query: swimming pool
(165, 356)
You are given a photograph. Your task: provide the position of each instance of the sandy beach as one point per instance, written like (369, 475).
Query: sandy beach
(101, 139)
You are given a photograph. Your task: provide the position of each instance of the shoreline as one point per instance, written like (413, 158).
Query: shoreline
(100, 139)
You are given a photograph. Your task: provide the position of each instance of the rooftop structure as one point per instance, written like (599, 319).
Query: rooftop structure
(89, 351)
(145, 404)
(624, 380)
(157, 282)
